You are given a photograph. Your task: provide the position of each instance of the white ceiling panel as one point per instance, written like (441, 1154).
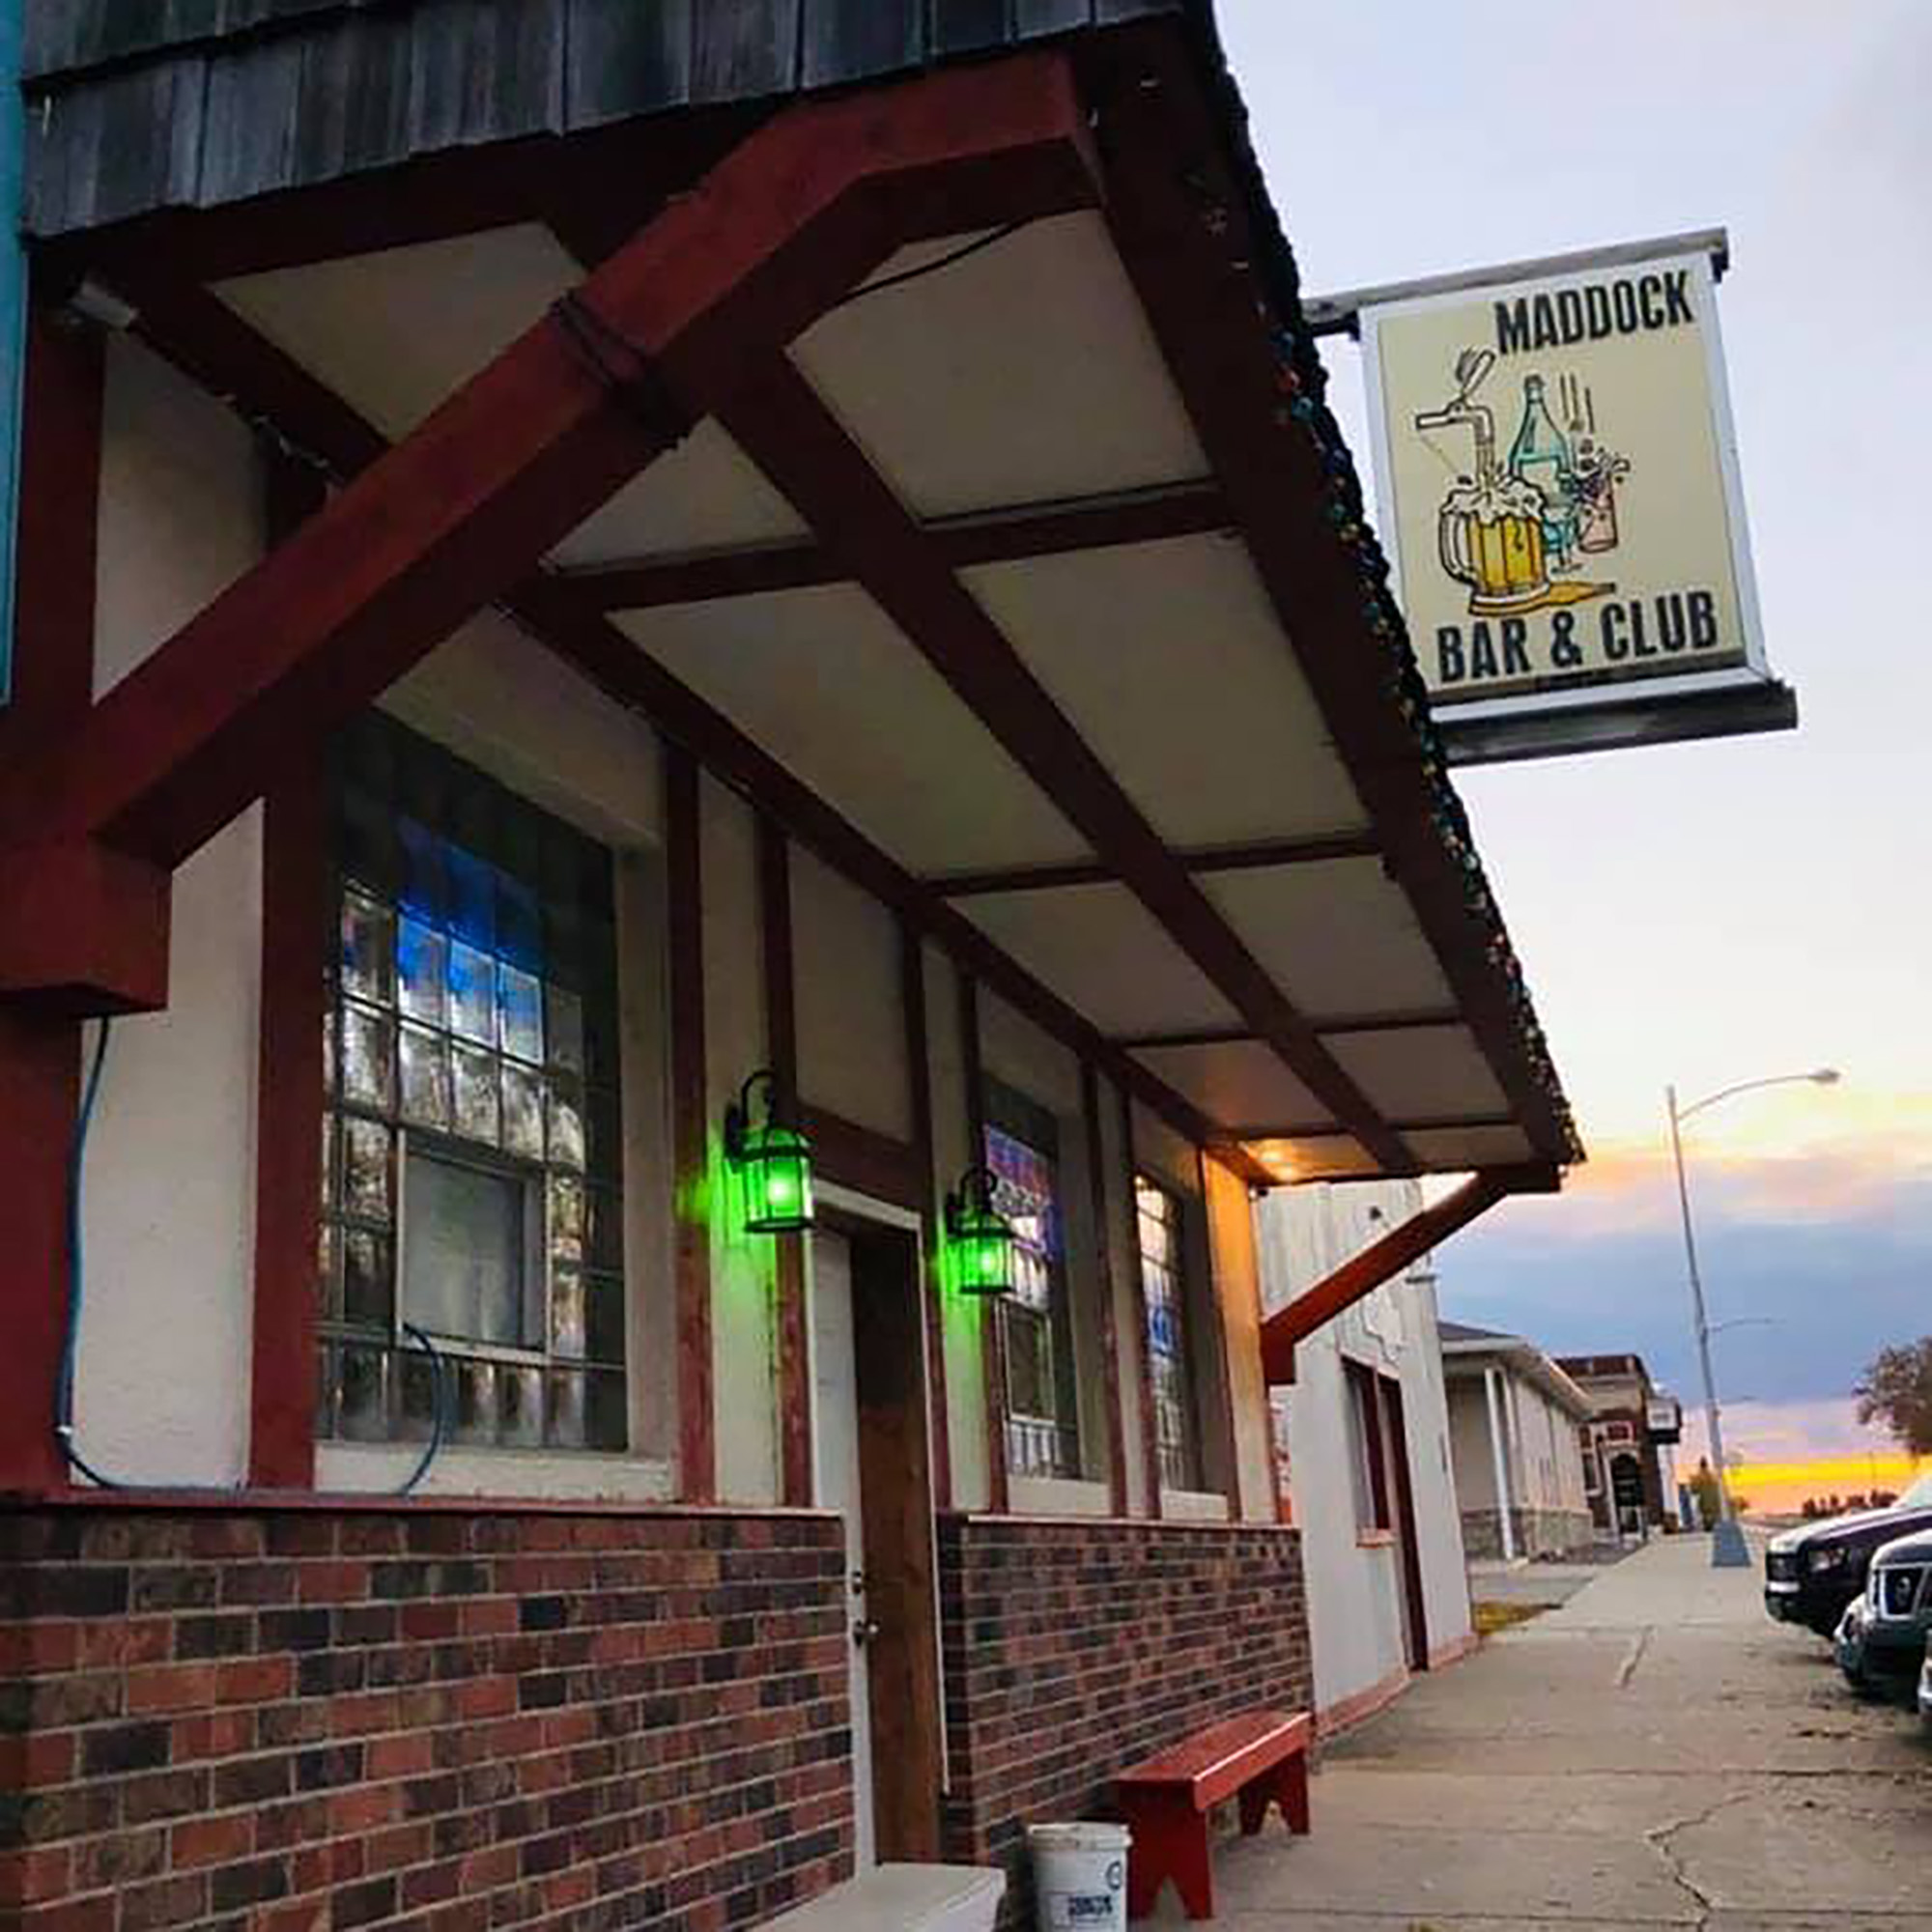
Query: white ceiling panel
(1237, 1083)
(1168, 659)
(1101, 950)
(706, 494)
(395, 332)
(1339, 938)
(826, 683)
(1022, 372)
(1450, 1150)
(1421, 1073)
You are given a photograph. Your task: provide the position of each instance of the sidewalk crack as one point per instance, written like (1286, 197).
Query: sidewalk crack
(1660, 1837)
(1634, 1657)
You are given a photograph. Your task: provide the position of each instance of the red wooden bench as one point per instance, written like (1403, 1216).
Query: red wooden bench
(1261, 1755)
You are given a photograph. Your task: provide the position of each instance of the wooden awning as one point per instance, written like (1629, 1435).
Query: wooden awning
(948, 469)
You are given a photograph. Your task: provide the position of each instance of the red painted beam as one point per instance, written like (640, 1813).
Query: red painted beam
(1260, 856)
(1385, 1259)
(291, 1078)
(1106, 1244)
(794, 1368)
(919, 1081)
(1001, 536)
(202, 336)
(562, 418)
(613, 662)
(40, 1075)
(40, 1051)
(780, 422)
(60, 476)
(690, 1129)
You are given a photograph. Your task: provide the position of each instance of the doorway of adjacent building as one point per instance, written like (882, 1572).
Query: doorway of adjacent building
(1409, 1551)
(873, 1468)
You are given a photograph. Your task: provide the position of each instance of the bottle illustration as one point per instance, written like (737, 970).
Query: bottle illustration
(1540, 457)
(1598, 471)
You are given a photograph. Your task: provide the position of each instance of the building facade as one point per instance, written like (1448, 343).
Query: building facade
(1634, 1426)
(1515, 1419)
(657, 1066)
(1382, 1551)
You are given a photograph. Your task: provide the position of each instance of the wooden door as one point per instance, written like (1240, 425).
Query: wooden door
(896, 1614)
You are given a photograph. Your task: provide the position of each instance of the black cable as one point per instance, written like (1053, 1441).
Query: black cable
(924, 269)
(64, 1429)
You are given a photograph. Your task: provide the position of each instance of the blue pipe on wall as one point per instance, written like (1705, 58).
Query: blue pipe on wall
(12, 316)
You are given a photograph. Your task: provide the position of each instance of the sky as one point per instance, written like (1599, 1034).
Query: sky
(1716, 911)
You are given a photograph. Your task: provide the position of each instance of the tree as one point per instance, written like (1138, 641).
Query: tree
(1897, 1389)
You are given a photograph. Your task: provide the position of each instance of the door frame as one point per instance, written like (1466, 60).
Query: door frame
(1409, 1550)
(914, 1831)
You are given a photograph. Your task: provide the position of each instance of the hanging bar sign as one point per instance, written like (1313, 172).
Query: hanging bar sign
(1559, 485)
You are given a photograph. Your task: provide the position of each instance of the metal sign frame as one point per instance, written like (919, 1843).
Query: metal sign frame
(1600, 714)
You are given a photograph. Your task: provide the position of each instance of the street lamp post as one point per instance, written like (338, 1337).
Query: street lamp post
(1727, 1543)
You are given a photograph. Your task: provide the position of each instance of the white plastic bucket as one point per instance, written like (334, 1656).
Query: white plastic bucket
(1080, 1876)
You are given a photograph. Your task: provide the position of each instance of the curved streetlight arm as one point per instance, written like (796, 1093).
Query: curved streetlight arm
(1824, 1076)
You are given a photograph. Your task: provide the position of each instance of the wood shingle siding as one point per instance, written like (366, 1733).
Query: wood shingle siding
(141, 104)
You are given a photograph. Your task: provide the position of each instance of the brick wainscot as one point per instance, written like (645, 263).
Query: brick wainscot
(1073, 1648)
(450, 1717)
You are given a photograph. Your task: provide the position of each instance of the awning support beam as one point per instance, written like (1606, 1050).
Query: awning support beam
(780, 421)
(1385, 1259)
(510, 463)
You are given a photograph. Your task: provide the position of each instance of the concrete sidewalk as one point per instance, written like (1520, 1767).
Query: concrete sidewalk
(1654, 1753)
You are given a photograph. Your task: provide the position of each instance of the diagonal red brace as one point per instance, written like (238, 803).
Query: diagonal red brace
(512, 462)
(1382, 1260)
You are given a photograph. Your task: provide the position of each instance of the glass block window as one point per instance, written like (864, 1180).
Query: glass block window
(472, 1160)
(1022, 1151)
(1163, 1290)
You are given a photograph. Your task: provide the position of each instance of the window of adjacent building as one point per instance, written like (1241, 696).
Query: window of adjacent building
(1368, 1476)
(472, 1156)
(1593, 1480)
(1164, 1291)
(1023, 1153)
(1620, 1432)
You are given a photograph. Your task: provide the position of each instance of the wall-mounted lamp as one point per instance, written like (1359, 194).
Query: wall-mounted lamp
(981, 1236)
(774, 1157)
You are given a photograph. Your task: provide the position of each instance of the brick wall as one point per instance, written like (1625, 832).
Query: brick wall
(328, 1717)
(1073, 1649)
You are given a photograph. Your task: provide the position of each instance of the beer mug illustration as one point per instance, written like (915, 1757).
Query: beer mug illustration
(1490, 535)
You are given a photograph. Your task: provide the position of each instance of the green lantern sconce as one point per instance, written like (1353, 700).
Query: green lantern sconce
(981, 1236)
(773, 1158)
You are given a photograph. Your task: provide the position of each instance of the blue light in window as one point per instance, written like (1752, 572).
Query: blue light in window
(473, 897)
(425, 875)
(518, 924)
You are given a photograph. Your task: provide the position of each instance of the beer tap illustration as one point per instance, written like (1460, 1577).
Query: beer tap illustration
(1510, 529)
(1472, 366)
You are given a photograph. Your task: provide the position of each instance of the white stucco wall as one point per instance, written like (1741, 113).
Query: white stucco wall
(168, 1225)
(1354, 1589)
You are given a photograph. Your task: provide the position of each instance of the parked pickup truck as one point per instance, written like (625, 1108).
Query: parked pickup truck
(1881, 1640)
(1812, 1573)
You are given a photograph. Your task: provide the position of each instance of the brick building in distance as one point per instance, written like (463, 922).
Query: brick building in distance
(1632, 1425)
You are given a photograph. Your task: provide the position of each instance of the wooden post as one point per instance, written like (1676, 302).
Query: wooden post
(1142, 1366)
(992, 1337)
(691, 1128)
(290, 1099)
(918, 1071)
(794, 1375)
(1104, 1251)
(39, 1051)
